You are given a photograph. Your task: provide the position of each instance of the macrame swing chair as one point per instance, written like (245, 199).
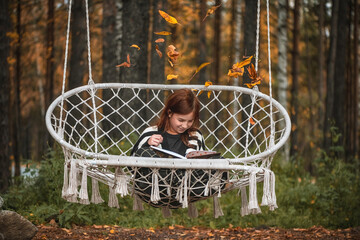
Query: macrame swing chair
(98, 124)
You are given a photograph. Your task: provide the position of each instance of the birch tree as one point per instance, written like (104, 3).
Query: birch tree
(282, 61)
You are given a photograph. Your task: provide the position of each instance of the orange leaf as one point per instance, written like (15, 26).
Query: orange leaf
(135, 46)
(125, 64)
(160, 40)
(211, 11)
(251, 120)
(168, 18)
(243, 63)
(158, 51)
(172, 54)
(252, 84)
(207, 83)
(237, 69)
(233, 73)
(171, 76)
(164, 33)
(171, 64)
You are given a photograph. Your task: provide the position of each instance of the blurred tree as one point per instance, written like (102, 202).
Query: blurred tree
(352, 88)
(50, 68)
(282, 60)
(330, 76)
(78, 45)
(4, 97)
(16, 114)
(322, 83)
(157, 66)
(295, 80)
(109, 57)
(215, 76)
(202, 41)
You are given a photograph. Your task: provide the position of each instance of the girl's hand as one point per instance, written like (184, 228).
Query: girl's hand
(155, 140)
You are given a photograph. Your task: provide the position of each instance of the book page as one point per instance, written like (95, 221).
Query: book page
(171, 153)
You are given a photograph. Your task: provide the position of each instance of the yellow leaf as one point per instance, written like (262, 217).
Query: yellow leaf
(209, 94)
(202, 66)
(135, 46)
(171, 76)
(164, 33)
(168, 18)
(112, 231)
(208, 83)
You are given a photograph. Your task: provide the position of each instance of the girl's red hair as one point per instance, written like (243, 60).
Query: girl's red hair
(182, 101)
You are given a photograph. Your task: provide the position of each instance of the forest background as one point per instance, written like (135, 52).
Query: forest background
(315, 66)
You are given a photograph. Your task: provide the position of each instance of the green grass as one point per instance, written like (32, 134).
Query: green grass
(329, 199)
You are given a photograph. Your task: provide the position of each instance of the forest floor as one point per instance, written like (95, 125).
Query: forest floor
(180, 232)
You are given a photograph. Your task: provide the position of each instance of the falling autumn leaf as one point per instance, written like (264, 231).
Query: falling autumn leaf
(160, 40)
(251, 120)
(135, 46)
(207, 83)
(172, 54)
(171, 64)
(237, 69)
(198, 69)
(125, 64)
(171, 76)
(164, 33)
(168, 18)
(211, 11)
(158, 51)
(255, 79)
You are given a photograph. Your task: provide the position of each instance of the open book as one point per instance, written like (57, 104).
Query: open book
(194, 154)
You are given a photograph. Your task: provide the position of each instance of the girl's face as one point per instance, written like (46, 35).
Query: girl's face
(179, 123)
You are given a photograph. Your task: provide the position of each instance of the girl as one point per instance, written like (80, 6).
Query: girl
(177, 128)
(177, 131)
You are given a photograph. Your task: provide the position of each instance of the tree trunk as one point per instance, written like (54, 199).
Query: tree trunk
(282, 62)
(351, 108)
(330, 76)
(236, 44)
(78, 45)
(135, 27)
(341, 62)
(109, 58)
(4, 97)
(135, 30)
(295, 80)
(249, 50)
(202, 42)
(157, 67)
(217, 44)
(16, 124)
(322, 83)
